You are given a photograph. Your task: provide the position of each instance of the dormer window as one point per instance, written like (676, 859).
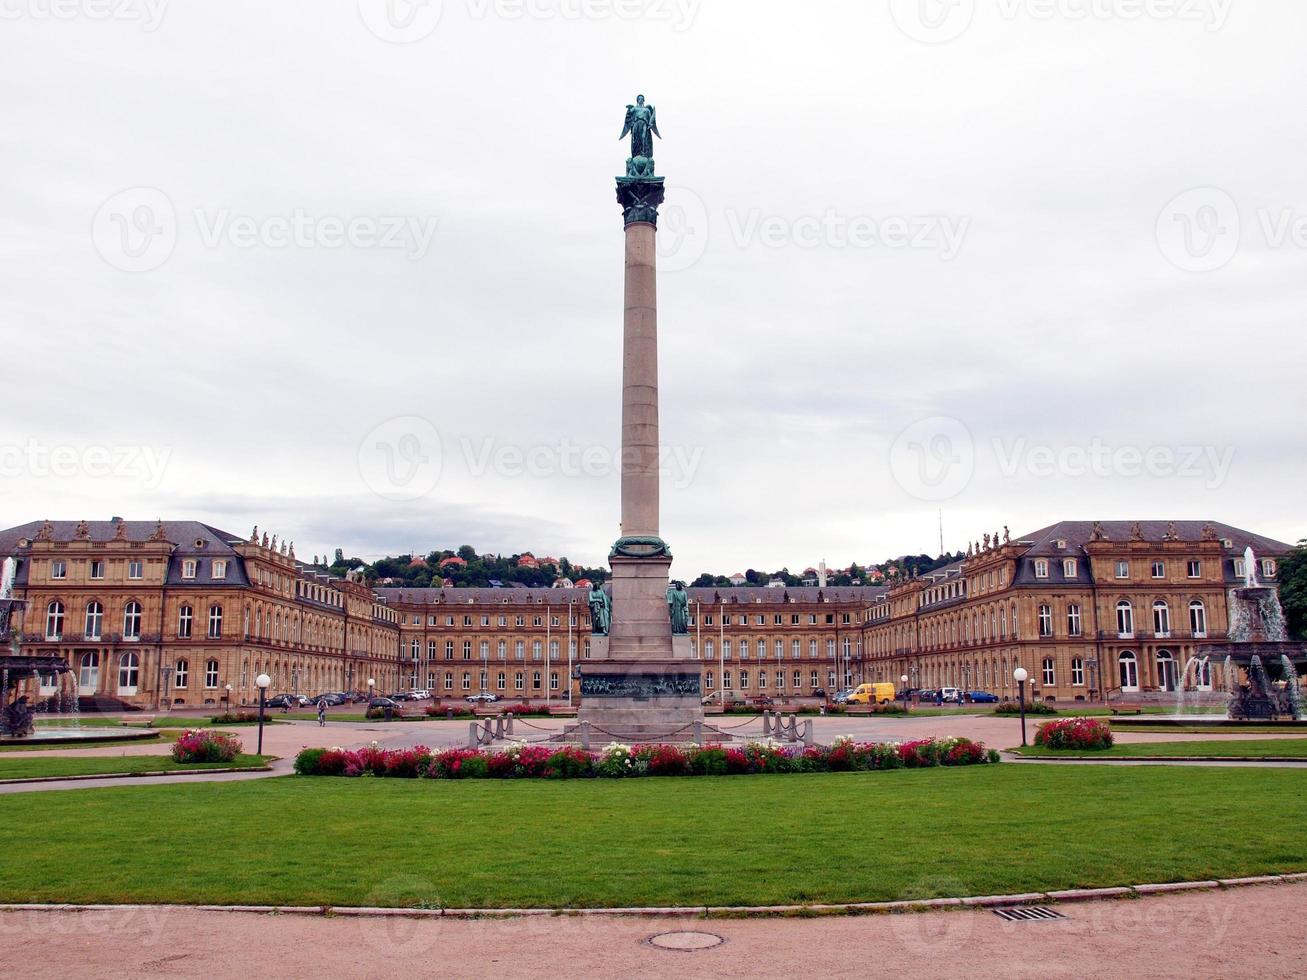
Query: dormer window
(1041, 568)
(220, 569)
(1268, 568)
(1069, 568)
(188, 567)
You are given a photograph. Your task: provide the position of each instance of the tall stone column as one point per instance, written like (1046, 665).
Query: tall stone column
(638, 684)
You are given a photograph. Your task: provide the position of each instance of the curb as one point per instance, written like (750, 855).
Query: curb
(1107, 761)
(700, 911)
(128, 775)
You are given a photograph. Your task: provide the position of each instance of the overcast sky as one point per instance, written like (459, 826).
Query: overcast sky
(354, 273)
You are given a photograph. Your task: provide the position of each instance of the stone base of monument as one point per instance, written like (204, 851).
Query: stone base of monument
(642, 700)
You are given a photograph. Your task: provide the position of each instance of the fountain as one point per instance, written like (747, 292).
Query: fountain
(17, 720)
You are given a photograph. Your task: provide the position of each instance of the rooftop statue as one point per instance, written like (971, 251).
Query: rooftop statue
(642, 124)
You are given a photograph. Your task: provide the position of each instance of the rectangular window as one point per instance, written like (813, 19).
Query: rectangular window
(1159, 569)
(1195, 569)
(58, 569)
(1077, 672)
(1068, 568)
(211, 674)
(1050, 675)
(184, 619)
(188, 568)
(1123, 569)
(134, 570)
(97, 568)
(1073, 625)
(219, 569)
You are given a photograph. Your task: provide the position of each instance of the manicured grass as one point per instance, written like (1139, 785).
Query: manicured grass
(78, 721)
(1285, 748)
(726, 840)
(166, 736)
(1215, 730)
(21, 768)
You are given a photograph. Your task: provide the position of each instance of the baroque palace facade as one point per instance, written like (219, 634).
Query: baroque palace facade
(181, 613)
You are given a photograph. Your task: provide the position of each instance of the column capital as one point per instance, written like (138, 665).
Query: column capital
(640, 198)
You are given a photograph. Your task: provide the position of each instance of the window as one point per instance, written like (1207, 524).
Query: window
(58, 569)
(1050, 673)
(1068, 568)
(181, 673)
(185, 616)
(132, 621)
(88, 673)
(1167, 675)
(709, 681)
(501, 681)
(1198, 618)
(97, 568)
(1125, 619)
(188, 568)
(467, 681)
(1161, 618)
(1041, 568)
(220, 568)
(1045, 620)
(813, 680)
(1129, 671)
(1268, 568)
(1238, 568)
(780, 679)
(726, 680)
(519, 681)
(535, 680)
(129, 670)
(744, 680)
(135, 569)
(1123, 569)
(1195, 569)
(215, 622)
(1073, 620)
(1159, 569)
(211, 674)
(1077, 672)
(54, 620)
(94, 620)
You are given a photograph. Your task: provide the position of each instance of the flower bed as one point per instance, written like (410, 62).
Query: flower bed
(1075, 733)
(622, 761)
(439, 710)
(205, 746)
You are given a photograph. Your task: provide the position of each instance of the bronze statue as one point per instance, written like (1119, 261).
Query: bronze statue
(16, 719)
(642, 124)
(678, 607)
(601, 610)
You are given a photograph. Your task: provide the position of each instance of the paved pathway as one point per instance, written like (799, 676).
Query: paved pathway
(1244, 932)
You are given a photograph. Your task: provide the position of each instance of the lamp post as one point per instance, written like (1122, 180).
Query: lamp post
(907, 698)
(372, 689)
(262, 682)
(1019, 675)
(228, 697)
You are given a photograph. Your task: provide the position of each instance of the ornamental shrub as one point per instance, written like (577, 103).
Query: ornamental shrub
(1091, 734)
(205, 746)
(308, 761)
(1032, 708)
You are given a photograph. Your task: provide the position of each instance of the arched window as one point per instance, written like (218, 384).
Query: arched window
(1198, 618)
(88, 673)
(132, 623)
(1129, 671)
(1161, 618)
(54, 620)
(1167, 673)
(94, 620)
(181, 675)
(129, 671)
(1203, 675)
(1045, 620)
(215, 621)
(1125, 619)
(211, 674)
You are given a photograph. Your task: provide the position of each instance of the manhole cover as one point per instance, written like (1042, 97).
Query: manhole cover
(685, 942)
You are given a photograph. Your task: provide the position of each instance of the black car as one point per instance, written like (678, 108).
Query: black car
(384, 703)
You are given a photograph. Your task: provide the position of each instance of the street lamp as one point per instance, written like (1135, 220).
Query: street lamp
(372, 689)
(228, 697)
(262, 682)
(907, 698)
(1019, 675)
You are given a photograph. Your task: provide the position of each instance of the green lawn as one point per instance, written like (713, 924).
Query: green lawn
(729, 840)
(168, 736)
(27, 768)
(1281, 747)
(174, 721)
(78, 721)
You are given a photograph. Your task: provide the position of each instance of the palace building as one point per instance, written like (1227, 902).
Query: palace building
(180, 613)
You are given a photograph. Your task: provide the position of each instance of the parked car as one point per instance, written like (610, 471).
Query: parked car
(714, 698)
(403, 696)
(926, 694)
(982, 697)
(484, 698)
(289, 701)
(390, 703)
(819, 693)
(841, 697)
(332, 698)
(950, 695)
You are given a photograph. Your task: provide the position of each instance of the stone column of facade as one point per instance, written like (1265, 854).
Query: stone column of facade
(637, 684)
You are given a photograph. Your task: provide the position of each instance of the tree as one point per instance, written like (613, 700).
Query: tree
(704, 581)
(1292, 576)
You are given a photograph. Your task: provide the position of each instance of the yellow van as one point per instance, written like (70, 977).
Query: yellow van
(872, 694)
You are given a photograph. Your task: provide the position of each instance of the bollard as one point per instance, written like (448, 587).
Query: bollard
(808, 738)
(449, 713)
(508, 725)
(585, 735)
(766, 722)
(472, 740)
(698, 732)
(499, 726)
(489, 732)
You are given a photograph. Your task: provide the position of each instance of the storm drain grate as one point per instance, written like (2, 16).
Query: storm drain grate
(1028, 913)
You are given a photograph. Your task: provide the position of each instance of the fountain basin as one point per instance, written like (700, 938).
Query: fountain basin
(1214, 722)
(54, 735)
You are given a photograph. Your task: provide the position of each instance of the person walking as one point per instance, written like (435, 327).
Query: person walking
(322, 714)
